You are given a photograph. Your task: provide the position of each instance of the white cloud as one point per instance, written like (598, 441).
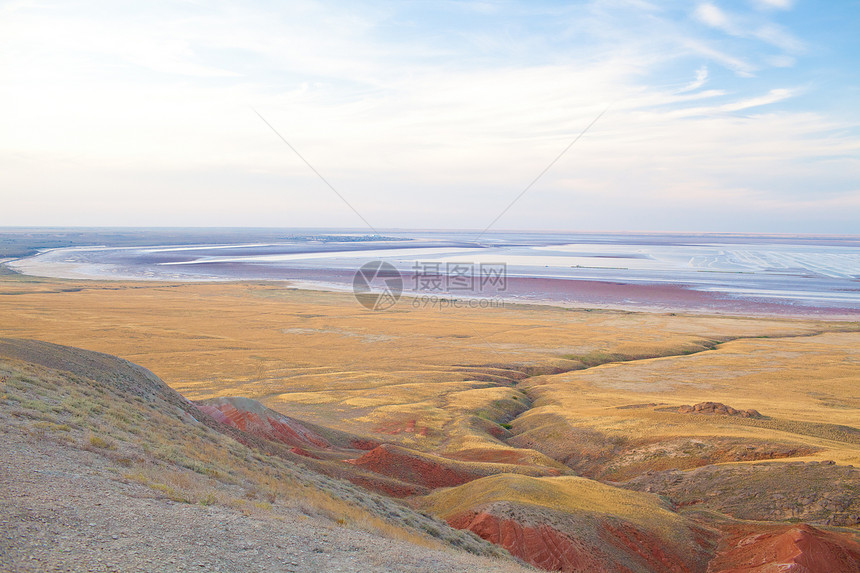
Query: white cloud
(748, 27)
(711, 15)
(701, 78)
(740, 66)
(158, 105)
(771, 4)
(773, 96)
(779, 37)
(781, 61)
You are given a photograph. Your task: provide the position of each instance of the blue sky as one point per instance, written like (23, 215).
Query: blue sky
(736, 116)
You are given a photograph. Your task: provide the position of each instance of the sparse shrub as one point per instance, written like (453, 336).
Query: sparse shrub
(170, 492)
(37, 405)
(45, 425)
(99, 442)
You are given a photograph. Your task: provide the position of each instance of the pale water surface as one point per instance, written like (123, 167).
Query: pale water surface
(793, 272)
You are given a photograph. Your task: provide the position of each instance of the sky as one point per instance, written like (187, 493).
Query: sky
(713, 116)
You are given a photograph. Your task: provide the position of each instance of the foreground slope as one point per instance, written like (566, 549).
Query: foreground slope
(108, 468)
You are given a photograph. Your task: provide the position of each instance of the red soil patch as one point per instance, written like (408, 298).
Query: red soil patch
(408, 427)
(497, 432)
(363, 444)
(496, 456)
(305, 453)
(278, 428)
(412, 467)
(627, 549)
(795, 548)
(636, 542)
(542, 546)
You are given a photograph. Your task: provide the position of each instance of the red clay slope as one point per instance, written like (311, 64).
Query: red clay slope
(790, 548)
(621, 548)
(576, 524)
(252, 417)
(428, 471)
(432, 471)
(306, 439)
(542, 546)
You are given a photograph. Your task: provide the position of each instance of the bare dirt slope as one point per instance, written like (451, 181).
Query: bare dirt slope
(107, 469)
(63, 510)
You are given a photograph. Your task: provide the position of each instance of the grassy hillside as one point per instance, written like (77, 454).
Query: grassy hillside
(153, 436)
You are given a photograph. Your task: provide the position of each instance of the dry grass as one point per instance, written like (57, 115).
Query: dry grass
(322, 357)
(555, 380)
(151, 442)
(805, 386)
(574, 495)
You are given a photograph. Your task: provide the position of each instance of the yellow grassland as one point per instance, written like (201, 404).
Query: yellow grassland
(436, 380)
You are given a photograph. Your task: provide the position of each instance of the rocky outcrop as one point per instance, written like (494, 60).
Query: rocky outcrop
(820, 493)
(718, 408)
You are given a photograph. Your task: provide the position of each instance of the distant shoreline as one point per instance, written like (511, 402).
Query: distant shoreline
(561, 293)
(731, 274)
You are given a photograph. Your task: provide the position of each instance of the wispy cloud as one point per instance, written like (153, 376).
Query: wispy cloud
(701, 78)
(710, 14)
(779, 37)
(778, 4)
(747, 26)
(739, 65)
(396, 102)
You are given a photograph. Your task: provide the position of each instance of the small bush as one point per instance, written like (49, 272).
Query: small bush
(99, 442)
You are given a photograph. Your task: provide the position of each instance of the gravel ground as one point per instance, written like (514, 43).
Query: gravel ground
(62, 509)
